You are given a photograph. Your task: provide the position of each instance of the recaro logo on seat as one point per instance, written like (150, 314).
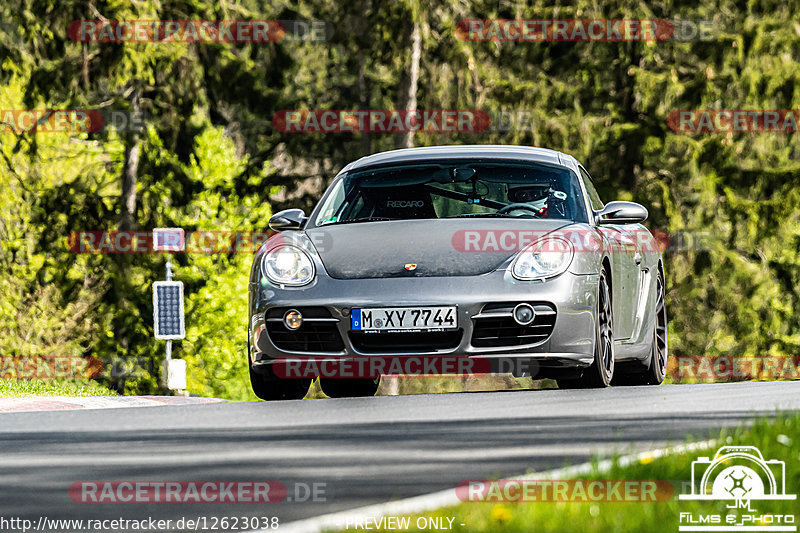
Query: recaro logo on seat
(405, 203)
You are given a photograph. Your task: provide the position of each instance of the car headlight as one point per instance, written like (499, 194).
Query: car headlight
(544, 259)
(288, 265)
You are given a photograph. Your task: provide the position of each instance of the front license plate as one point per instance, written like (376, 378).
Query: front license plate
(381, 319)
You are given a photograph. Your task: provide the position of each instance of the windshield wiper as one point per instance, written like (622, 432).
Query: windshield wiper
(499, 215)
(364, 219)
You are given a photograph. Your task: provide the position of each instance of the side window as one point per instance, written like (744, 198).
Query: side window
(328, 212)
(594, 198)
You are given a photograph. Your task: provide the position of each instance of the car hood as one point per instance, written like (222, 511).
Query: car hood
(436, 247)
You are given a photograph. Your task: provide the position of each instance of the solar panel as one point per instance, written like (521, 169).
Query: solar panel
(168, 310)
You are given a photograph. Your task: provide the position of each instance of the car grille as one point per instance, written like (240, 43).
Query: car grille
(424, 341)
(495, 326)
(318, 333)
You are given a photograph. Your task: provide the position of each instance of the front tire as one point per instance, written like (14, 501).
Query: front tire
(601, 371)
(349, 388)
(657, 369)
(267, 386)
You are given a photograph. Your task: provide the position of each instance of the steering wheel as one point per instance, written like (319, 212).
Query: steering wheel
(512, 207)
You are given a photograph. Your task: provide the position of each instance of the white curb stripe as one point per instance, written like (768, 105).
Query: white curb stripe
(448, 497)
(26, 404)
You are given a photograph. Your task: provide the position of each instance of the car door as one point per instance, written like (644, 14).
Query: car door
(625, 259)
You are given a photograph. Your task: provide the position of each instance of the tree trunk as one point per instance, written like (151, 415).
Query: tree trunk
(363, 103)
(411, 96)
(128, 197)
(363, 42)
(129, 172)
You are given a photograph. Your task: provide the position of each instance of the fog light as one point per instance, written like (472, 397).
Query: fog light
(292, 319)
(524, 314)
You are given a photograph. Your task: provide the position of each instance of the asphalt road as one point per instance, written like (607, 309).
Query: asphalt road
(365, 450)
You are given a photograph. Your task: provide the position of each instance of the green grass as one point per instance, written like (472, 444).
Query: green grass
(777, 439)
(52, 387)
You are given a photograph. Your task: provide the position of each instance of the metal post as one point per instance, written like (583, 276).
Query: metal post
(168, 349)
(168, 240)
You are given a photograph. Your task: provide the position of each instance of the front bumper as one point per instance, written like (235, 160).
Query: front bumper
(569, 344)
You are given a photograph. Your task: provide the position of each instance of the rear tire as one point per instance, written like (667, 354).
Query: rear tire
(349, 388)
(269, 387)
(601, 371)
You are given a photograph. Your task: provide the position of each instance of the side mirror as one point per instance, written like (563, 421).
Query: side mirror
(621, 213)
(287, 219)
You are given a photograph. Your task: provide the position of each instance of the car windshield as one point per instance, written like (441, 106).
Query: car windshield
(461, 189)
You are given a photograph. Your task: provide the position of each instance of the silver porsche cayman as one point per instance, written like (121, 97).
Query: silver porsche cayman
(500, 254)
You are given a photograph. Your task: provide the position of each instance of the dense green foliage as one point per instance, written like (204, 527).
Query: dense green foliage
(210, 158)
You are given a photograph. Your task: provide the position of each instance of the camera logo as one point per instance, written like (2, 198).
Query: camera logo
(741, 474)
(738, 473)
